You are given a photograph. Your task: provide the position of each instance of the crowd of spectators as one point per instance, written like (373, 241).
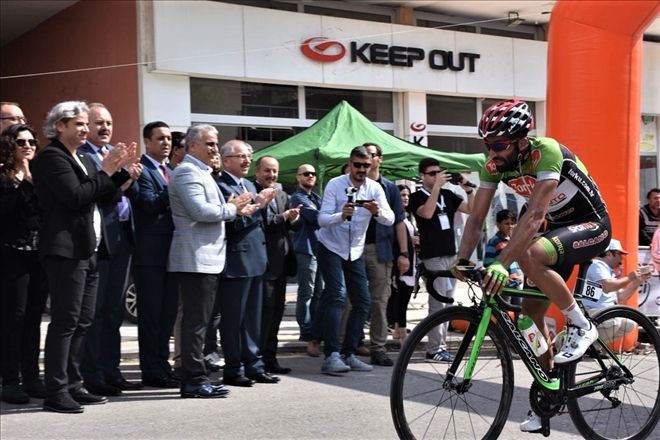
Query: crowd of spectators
(210, 252)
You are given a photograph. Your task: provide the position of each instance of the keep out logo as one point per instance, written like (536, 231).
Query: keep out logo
(324, 50)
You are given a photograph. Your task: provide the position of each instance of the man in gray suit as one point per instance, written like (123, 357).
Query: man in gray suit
(197, 252)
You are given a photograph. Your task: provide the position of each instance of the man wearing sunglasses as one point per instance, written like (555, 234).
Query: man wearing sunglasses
(561, 194)
(10, 114)
(349, 203)
(310, 282)
(434, 209)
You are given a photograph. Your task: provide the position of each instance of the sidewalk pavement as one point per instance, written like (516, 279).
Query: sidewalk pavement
(289, 331)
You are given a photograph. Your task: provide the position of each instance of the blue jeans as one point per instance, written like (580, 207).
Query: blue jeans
(341, 278)
(310, 286)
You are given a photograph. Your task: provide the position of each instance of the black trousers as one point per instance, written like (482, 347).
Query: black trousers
(271, 316)
(102, 350)
(240, 305)
(213, 328)
(198, 292)
(157, 303)
(72, 286)
(23, 289)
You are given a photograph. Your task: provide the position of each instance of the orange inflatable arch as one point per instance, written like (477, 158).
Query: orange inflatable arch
(594, 100)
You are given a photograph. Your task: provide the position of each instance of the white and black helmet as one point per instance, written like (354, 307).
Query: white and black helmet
(511, 118)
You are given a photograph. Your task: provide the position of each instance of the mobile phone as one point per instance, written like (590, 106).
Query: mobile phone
(361, 202)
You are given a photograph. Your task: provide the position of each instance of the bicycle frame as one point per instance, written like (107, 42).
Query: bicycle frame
(491, 309)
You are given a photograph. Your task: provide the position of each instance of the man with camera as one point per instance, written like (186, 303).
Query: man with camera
(349, 203)
(434, 210)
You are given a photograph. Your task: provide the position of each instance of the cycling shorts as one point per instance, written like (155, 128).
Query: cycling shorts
(577, 243)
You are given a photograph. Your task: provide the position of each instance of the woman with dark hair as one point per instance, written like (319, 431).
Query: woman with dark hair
(403, 283)
(23, 281)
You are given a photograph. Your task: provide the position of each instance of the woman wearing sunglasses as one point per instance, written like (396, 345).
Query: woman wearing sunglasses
(23, 282)
(561, 193)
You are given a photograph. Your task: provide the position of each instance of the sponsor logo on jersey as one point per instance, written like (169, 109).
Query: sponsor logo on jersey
(559, 246)
(588, 226)
(491, 167)
(558, 199)
(591, 241)
(523, 185)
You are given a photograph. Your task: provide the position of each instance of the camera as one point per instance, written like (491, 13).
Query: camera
(456, 178)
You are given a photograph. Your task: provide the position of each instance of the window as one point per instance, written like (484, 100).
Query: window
(446, 26)
(343, 13)
(258, 137)
(375, 106)
(222, 97)
(488, 102)
(448, 110)
(456, 144)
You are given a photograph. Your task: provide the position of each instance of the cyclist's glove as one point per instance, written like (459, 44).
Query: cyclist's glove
(459, 265)
(498, 277)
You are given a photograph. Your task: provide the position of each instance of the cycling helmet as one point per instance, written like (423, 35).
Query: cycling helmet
(511, 118)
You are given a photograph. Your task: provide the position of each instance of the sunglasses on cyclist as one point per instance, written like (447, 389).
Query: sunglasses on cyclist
(24, 142)
(500, 146)
(361, 165)
(307, 173)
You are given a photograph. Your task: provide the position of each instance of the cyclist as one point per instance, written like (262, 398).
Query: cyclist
(563, 198)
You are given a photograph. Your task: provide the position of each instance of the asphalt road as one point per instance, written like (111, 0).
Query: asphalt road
(304, 405)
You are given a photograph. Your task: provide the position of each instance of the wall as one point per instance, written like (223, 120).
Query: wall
(256, 44)
(88, 34)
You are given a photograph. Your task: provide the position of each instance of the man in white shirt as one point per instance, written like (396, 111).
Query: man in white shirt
(349, 203)
(610, 290)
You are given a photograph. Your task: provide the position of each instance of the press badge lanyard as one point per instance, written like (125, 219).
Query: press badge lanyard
(442, 215)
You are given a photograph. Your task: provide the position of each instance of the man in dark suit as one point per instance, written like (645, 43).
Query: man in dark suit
(240, 287)
(157, 297)
(277, 222)
(69, 188)
(102, 352)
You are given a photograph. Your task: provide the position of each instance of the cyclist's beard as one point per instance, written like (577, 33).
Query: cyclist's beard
(512, 162)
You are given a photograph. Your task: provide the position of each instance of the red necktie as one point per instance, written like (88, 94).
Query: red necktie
(166, 175)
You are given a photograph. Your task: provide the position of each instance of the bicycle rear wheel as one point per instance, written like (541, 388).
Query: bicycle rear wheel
(426, 403)
(630, 410)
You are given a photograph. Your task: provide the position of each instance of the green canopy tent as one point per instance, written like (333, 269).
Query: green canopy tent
(327, 144)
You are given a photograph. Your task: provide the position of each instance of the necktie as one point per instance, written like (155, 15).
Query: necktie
(166, 175)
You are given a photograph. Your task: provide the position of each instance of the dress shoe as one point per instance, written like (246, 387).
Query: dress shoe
(203, 391)
(102, 389)
(62, 403)
(362, 350)
(125, 385)
(161, 382)
(84, 397)
(263, 378)
(238, 381)
(35, 388)
(276, 368)
(13, 393)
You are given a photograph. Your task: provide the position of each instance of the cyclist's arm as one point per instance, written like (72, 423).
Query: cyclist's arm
(475, 222)
(530, 222)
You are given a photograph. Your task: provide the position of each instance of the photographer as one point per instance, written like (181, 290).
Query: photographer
(434, 210)
(349, 203)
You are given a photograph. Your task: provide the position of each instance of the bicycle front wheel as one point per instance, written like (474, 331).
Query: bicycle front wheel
(631, 409)
(428, 401)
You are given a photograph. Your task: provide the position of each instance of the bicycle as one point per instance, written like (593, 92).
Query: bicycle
(612, 392)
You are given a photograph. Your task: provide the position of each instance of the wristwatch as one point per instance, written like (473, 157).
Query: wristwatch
(404, 254)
